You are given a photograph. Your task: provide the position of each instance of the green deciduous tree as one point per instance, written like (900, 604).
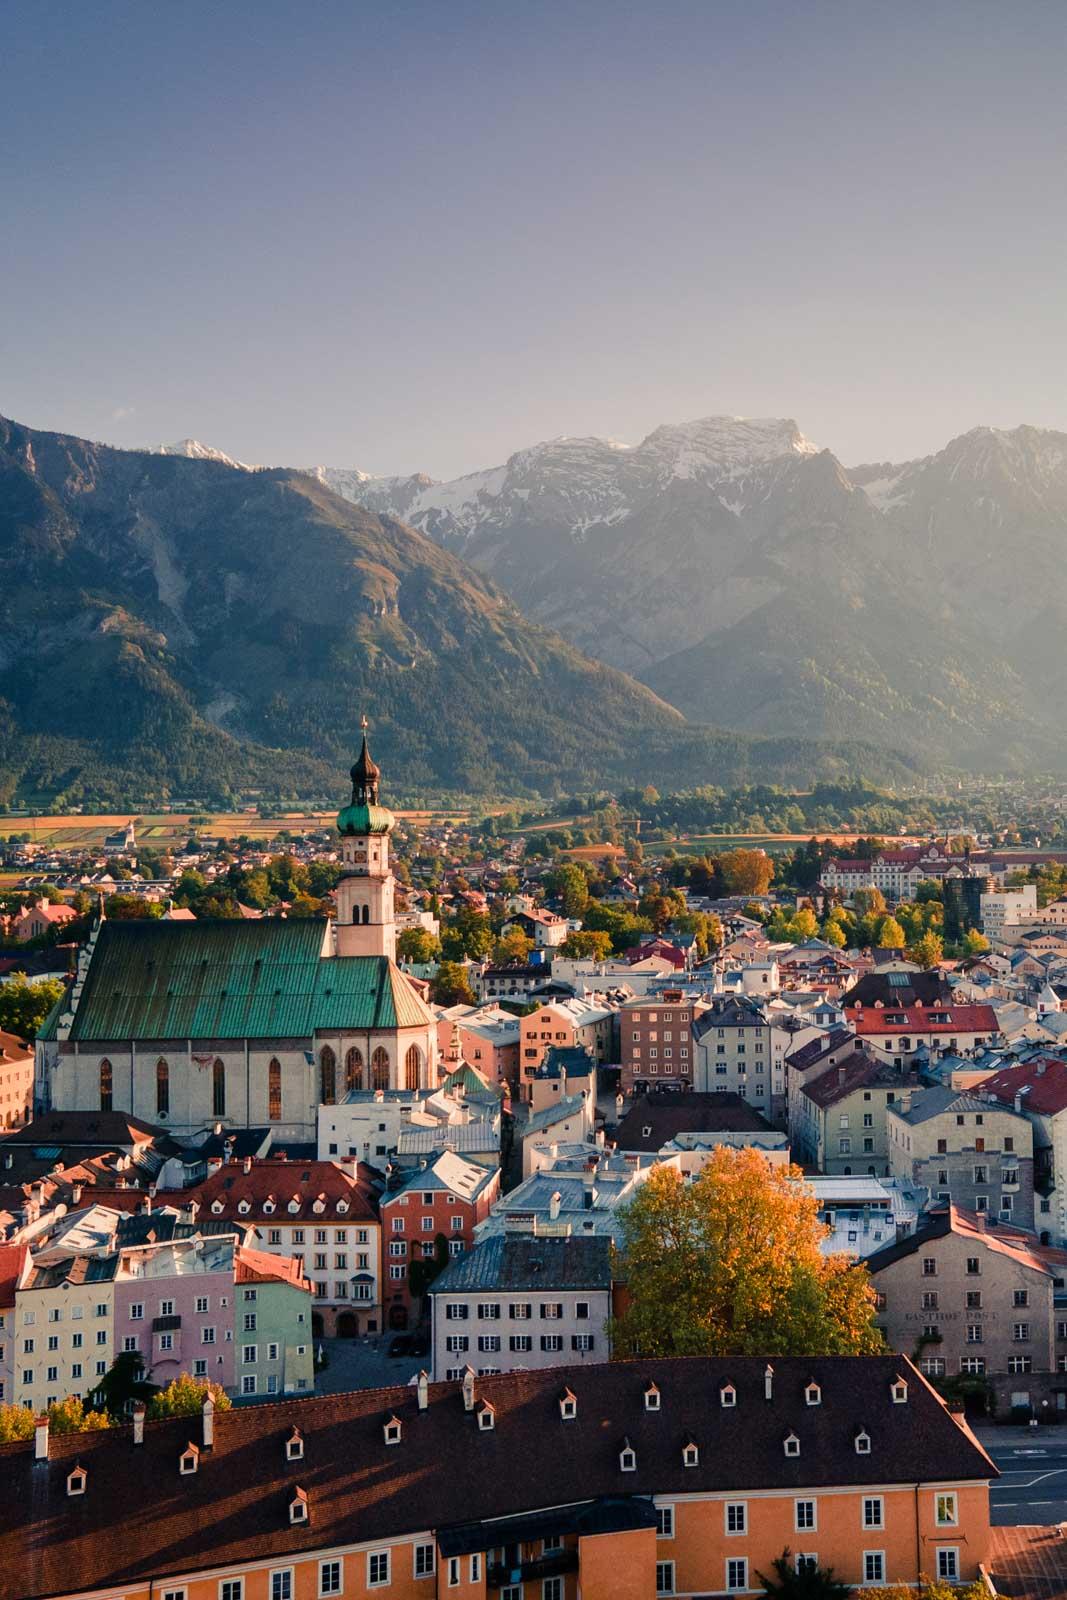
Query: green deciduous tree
(451, 986)
(869, 902)
(806, 1581)
(731, 1265)
(589, 944)
(185, 1396)
(417, 945)
(568, 884)
(891, 935)
(927, 951)
(25, 1002)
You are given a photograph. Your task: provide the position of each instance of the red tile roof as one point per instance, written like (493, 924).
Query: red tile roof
(12, 1257)
(13, 1049)
(306, 1182)
(1044, 1081)
(256, 1266)
(917, 1019)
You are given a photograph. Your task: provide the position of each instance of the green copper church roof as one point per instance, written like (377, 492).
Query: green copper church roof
(365, 819)
(222, 979)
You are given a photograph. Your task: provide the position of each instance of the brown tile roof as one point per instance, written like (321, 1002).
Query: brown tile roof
(257, 1266)
(666, 1115)
(13, 1049)
(857, 1071)
(12, 1259)
(1029, 1563)
(306, 1182)
(446, 1471)
(1043, 1083)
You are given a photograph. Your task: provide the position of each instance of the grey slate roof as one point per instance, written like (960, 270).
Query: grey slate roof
(523, 1261)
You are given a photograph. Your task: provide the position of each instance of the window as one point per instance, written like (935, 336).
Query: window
(201, 1304)
(552, 1312)
(945, 1506)
(874, 1566)
(974, 1266)
(552, 1343)
(974, 1300)
(873, 1511)
(1018, 1364)
(457, 1343)
(520, 1343)
(973, 1366)
(863, 1444)
(804, 1516)
(424, 1561)
(736, 1516)
(1020, 1332)
(475, 1566)
(106, 1078)
(520, 1312)
(377, 1568)
(489, 1312)
(199, 1368)
(327, 1076)
(274, 1090)
(930, 1300)
(488, 1343)
(552, 1589)
(1020, 1298)
(281, 1584)
(162, 1088)
(737, 1573)
(248, 1354)
(330, 1580)
(166, 1341)
(974, 1333)
(248, 1383)
(791, 1445)
(929, 1267)
(664, 1577)
(232, 1589)
(948, 1563)
(456, 1311)
(207, 1336)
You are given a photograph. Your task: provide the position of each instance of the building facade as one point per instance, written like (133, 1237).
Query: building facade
(436, 1210)
(965, 1150)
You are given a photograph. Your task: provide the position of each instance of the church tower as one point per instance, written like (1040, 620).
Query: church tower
(365, 924)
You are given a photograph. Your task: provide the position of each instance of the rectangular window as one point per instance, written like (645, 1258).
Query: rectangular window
(552, 1589)
(948, 1563)
(736, 1517)
(456, 1311)
(552, 1343)
(874, 1566)
(281, 1584)
(520, 1343)
(737, 1573)
(664, 1577)
(248, 1383)
(453, 1572)
(330, 1579)
(873, 1513)
(804, 1516)
(232, 1589)
(489, 1312)
(664, 1522)
(137, 1311)
(424, 1561)
(945, 1505)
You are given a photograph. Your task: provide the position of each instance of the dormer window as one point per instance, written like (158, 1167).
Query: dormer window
(652, 1398)
(813, 1395)
(627, 1458)
(568, 1405)
(863, 1444)
(342, 1206)
(319, 1206)
(294, 1446)
(791, 1445)
(393, 1430)
(189, 1460)
(298, 1506)
(899, 1391)
(727, 1395)
(217, 1208)
(486, 1417)
(690, 1454)
(269, 1207)
(243, 1207)
(77, 1480)
(294, 1206)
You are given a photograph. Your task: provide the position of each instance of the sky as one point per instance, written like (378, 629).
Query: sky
(420, 236)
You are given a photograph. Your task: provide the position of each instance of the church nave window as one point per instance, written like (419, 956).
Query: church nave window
(327, 1076)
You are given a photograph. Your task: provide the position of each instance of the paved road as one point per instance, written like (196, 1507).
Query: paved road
(1032, 1487)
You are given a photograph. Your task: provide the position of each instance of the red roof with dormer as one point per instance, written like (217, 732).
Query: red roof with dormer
(921, 1019)
(260, 1190)
(1042, 1082)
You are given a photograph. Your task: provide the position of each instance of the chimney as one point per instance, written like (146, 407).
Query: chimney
(246, 1165)
(208, 1414)
(138, 1421)
(422, 1390)
(468, 1390)
(553, 1207)
(76, 1194)
(840, 1076)
(768, 1383)
(40, 1438)
(1018, 1102)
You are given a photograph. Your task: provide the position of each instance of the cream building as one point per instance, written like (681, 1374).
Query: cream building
(247, 1023)
(63, 1330)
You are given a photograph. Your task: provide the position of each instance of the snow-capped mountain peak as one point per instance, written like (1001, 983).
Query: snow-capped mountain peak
(195, 451)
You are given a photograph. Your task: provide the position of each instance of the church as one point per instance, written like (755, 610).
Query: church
(247, 1023)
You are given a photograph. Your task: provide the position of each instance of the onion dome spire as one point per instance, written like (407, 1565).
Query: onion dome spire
(365, 775)
(363, 814)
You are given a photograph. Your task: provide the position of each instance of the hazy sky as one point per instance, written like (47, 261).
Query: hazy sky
(414, 236)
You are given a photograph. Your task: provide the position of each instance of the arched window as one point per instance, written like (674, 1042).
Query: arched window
(162, 1088)
(379, 1063)
(327, 1076)
(106, 1078)
(218, 1088)
(412, 1067)
(366, 915)
(274, 1090)
(353, 1070)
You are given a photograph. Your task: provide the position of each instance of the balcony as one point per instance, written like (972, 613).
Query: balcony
(552, 1565)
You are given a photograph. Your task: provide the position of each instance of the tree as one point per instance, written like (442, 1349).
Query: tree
(513, 945)
(16, 1422)
(834, 934)
(124, 1381)
(25, 1002)
(928, 951)
(422, 1272)
(185, 1396)
(869, 902)
(468, 934)
(417, 945)
(70, 1416)
(451, 987)
(746, 871)
(568, 884)
(975, 943)
(589, 944)
(891, 935)
(731, 1265)
(803, 925)
(806, 1581)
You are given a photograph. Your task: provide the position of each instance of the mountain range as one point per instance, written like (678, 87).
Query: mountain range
(173, 623)
(754, 581)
